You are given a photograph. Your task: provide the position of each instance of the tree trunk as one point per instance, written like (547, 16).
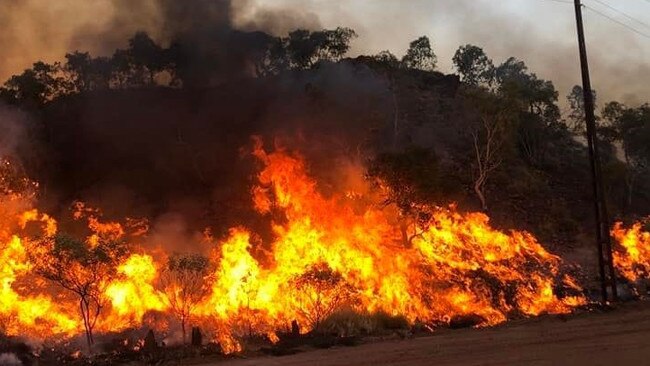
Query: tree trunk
(183, 329)
(478, 188)
(85, 314)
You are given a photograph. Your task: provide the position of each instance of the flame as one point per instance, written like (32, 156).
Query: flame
(328, 253)
(134, 294)
(632, 255)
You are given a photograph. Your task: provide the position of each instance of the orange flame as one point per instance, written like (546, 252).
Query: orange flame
(632, 257)
(327, 254)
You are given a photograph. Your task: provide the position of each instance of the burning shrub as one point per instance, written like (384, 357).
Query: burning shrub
(320, 292)
(183, 281)
(81, 268)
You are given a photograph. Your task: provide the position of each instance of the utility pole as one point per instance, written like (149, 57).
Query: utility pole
(603, 237)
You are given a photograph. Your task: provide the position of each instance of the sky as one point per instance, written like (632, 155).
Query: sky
(540, 32)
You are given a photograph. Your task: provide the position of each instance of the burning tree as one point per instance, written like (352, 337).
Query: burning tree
(183, 280)
(320, 292)
(81, 268)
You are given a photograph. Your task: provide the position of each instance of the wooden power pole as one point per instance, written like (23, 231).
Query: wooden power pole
(603, 237)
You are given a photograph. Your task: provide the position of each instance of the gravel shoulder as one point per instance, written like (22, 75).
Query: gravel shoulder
(620, 336)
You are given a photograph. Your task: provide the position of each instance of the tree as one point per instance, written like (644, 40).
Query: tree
(387, 59)
(534, 95)
(512, 70)
(82, 269)
(304, 48)
(320, 292)
(576, 118)
(36, 86)
(473, 65)
(87, 73)
(490, 134)
(631, 128)
(184, 284)
(336, 43)
(120, 69)
(276, 58)
(420, 55)
(146, 56)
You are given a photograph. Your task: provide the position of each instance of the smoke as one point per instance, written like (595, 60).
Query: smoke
(176, 155)
(13, 125)
(542, 34)
(10, 359)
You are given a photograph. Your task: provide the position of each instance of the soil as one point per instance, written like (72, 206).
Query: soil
(618, 336)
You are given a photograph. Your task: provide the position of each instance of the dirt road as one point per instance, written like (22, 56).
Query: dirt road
(619, 337)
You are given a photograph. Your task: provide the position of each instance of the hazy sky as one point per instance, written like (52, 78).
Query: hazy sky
(541, 32)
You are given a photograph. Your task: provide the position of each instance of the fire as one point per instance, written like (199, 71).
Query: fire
(632, 256)
(328, 253)
(22, 312)
(133, 294)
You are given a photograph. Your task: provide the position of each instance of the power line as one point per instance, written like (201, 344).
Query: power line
(611, 18)
(619, 22)
(624, 13)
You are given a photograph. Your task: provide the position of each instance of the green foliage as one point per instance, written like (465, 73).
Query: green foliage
(420, 55)
(304, 48)
(473, 65)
